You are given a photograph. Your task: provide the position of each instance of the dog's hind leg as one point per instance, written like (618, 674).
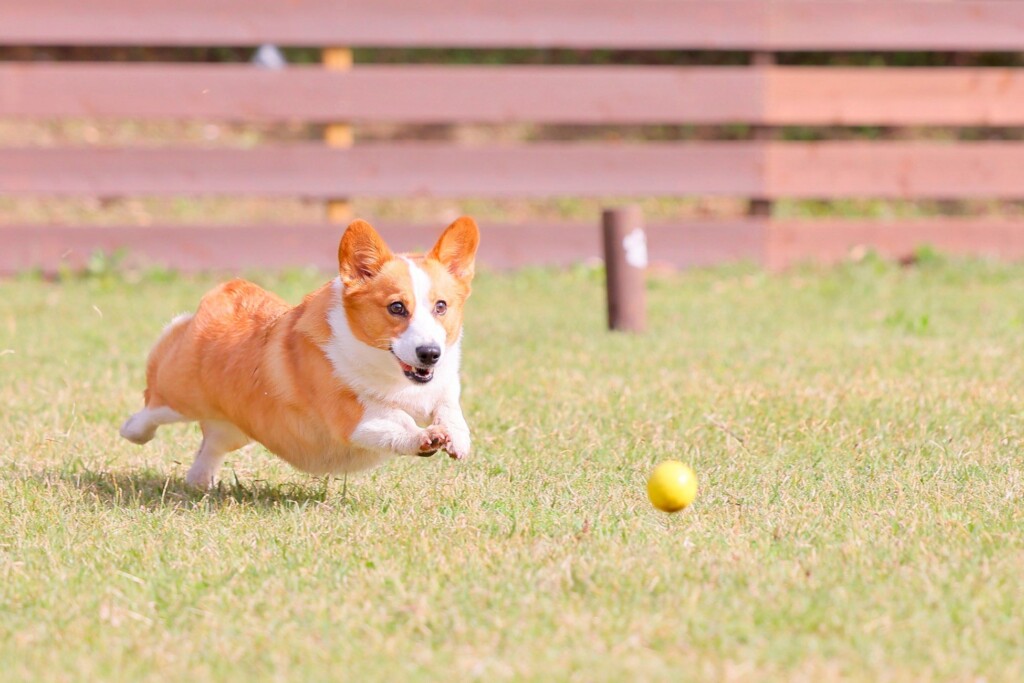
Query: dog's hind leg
(219, 439)
(141, 427)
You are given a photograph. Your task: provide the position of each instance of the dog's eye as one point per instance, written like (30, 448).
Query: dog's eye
(440, 308)
(396, 308)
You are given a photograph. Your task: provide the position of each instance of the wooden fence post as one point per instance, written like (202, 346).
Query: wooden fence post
(625, 258)
(760, 207)
(338, 134)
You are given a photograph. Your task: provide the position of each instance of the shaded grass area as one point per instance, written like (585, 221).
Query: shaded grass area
(858, 435)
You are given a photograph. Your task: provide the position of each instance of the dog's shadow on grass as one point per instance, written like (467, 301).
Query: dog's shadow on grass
(147, 488)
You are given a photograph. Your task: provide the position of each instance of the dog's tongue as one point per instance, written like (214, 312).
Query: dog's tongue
(405, 367)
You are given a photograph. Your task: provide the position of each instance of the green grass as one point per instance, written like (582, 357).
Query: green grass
(858, 435)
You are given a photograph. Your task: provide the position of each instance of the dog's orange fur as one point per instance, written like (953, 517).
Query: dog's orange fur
(248, 358)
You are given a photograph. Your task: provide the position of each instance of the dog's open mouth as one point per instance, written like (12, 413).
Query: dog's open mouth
(421, 375)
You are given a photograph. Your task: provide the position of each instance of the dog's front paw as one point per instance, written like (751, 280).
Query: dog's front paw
(458, 444)
(432, 439)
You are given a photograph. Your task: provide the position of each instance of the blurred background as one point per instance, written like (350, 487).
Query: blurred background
(771, 132)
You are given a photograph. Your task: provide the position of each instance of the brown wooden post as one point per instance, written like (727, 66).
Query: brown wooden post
(759, 206)
(625, 258)
(338, 134)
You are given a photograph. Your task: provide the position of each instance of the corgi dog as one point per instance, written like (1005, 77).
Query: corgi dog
(364, 369)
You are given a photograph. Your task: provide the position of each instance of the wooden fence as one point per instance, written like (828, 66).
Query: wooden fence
(761, 94)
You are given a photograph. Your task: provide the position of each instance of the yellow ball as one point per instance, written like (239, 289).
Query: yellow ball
(672, 486)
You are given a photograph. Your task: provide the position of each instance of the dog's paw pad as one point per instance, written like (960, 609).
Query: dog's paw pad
(433, 439)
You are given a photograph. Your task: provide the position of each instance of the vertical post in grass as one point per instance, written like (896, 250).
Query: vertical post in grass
(339, 210)
(625, 259)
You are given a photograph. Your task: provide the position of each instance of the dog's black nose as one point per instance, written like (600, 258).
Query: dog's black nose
(428, 354)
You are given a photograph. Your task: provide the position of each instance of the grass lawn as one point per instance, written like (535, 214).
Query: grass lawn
(858, 434)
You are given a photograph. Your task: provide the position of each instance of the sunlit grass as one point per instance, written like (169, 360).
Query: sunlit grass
(858, 435)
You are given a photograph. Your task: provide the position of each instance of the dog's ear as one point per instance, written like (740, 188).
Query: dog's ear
(362, 253)
(456, 248)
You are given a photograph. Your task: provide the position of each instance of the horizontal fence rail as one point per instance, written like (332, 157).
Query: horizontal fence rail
(830, 241)
(895, 170)
(887, 170)
(580, 95)
(388, 169)
(893, 96)
(985, 25)
(404, 94)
